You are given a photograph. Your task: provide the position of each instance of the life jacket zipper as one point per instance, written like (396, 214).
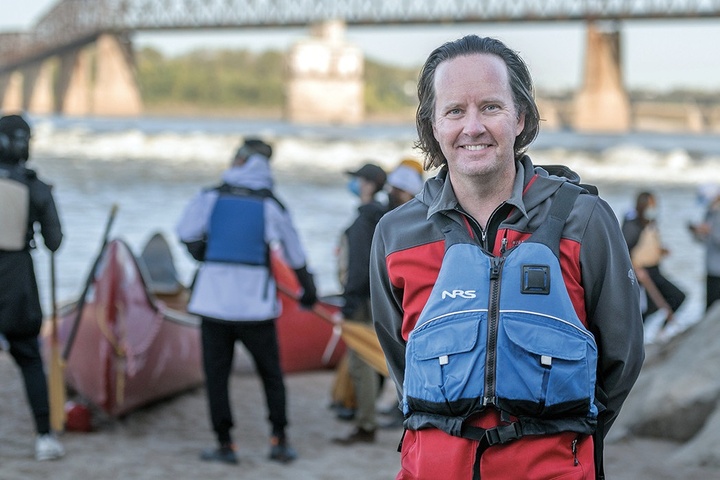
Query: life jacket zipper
(492, 327)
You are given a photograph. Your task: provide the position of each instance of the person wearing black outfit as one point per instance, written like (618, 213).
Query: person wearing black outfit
(25, 201)
(354, 258)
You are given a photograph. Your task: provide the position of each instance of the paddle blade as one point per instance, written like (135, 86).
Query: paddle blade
(363, 340)
(56, 389)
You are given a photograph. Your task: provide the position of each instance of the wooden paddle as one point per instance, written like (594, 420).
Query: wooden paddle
(357, 336)
(56, 381)
(81, 301)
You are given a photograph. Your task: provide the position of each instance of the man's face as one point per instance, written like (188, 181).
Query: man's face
(475, 120)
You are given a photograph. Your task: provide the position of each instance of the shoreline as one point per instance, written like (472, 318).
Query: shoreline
(163, 441)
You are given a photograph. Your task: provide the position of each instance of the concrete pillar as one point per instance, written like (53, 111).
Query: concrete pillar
(73, 88)
(11, 90)
(325, 83)
(602, 104)
(38, 94)
(115, 91)
(695, 118)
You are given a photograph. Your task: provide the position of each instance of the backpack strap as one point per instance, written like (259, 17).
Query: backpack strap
(550, 232)
(228, 189)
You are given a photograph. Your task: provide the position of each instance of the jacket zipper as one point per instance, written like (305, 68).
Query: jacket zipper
(493, 320)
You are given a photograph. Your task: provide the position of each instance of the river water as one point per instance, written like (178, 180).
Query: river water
(151, 167)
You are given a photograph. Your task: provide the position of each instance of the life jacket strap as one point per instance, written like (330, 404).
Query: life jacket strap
(493, 436)
(488, 437)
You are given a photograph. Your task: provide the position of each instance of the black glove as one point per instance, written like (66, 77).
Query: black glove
(309, 296)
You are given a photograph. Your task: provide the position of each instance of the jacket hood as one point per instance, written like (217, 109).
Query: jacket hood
(254, 174)
(533, 184)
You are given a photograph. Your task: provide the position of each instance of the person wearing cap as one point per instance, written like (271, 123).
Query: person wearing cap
(354, 269)
(229, 228)
(404, 182)
(25, 201)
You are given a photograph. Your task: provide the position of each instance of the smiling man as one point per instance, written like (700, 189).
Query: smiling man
(503, 295)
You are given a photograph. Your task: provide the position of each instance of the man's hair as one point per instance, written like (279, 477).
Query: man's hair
(520, 84)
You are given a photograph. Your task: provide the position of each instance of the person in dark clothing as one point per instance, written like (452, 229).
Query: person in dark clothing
(230, 228)
(25, 201)
(354, 256)
(708, 232)
(646, 252)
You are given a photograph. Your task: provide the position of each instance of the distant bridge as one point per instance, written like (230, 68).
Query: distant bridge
(72, 25)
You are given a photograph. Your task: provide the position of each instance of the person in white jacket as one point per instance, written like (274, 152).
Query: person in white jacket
(230, 229)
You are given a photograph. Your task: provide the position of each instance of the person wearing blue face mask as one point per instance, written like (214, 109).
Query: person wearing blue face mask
(354, 276)
(646, 252)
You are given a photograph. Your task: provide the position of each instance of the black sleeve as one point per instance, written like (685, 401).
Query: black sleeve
(44, 211)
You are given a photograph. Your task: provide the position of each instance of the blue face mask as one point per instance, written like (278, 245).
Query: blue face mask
(354, 186)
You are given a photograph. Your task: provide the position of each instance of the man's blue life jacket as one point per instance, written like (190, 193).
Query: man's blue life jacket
(502, 332)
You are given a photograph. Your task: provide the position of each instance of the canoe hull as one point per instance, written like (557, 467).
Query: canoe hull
(133, 347)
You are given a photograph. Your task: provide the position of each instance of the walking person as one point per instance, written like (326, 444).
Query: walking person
(642, 235)
(25, 202)
(503, 295)
(230, 228)
(708, 232)
(354, 258)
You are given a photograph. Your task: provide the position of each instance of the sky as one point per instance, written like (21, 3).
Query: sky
(657, 55)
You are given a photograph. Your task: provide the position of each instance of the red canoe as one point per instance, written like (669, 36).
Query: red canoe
(134, 343)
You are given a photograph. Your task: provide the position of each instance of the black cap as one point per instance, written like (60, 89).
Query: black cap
(254, 145)
(14, 139)
(370, 172)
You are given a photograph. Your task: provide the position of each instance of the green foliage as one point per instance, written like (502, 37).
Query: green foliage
(389, 88)
(243, 79)
(212, 78)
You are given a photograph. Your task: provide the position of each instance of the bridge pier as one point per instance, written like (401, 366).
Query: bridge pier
(99, 80)
(11, 92)
(325, 83)
(96, 79)
(602, 104)
(72, 89)
(37, 93)
(115, 91)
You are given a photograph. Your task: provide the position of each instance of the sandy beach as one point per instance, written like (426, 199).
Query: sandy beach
(163, 441)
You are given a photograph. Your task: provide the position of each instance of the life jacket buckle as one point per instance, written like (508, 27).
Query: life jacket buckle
(503, 434)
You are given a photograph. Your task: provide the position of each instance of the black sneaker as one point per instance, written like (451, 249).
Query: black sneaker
(281, 451)
(223, 454)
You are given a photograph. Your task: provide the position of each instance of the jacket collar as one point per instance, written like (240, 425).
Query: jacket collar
(439, 195)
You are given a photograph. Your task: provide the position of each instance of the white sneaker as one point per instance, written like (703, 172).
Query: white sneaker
(48, 447)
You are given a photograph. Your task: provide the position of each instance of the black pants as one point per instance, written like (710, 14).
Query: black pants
(712, 290)
(26, 353)
(672, 294)
(260, 339)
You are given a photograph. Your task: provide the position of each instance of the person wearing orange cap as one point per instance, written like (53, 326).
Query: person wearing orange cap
(404, 182)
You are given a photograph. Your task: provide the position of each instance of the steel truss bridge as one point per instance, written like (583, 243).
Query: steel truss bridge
(71, 23)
